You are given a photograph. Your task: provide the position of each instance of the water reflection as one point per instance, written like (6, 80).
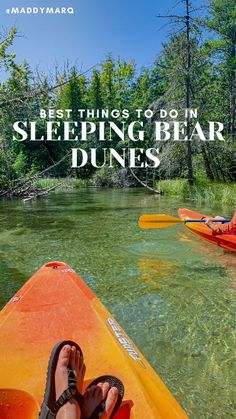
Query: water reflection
(223, 257)
(152, 271)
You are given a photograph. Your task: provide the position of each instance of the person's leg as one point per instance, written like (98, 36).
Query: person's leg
(69, 355)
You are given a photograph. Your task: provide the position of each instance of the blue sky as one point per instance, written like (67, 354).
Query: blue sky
(126, 28)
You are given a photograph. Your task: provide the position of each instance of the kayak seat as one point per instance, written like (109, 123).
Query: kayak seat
(124, 411)
(17, 404)
(55, 265)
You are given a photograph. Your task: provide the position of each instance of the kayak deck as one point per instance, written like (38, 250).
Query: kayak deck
(226, 241)
(55, 304)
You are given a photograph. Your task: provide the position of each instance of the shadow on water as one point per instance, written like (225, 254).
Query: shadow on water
(172, 292)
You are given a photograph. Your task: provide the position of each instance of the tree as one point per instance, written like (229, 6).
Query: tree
(95, 91)
(222, 22)
(7, 60)
(187, 36)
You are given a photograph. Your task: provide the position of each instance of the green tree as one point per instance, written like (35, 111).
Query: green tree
(222, 22)
(107, 83)
(95, 91)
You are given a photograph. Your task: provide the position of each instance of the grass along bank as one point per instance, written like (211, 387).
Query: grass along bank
(202, 191)
(104, 177)
(62, 184)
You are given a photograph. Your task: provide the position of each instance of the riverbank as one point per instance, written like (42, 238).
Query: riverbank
(105, 177)
(63, 184)
(203, 191)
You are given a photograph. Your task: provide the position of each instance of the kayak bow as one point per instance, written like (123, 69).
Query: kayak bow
(226, 241)
(55, 304)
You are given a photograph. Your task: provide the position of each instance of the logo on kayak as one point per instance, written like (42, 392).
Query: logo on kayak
(67, 270)
(15, 299)
(125, 342)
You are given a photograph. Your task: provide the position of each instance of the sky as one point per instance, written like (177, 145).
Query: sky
(126, 28)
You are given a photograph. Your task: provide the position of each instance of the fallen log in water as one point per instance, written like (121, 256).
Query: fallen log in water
(41, 192)
(27, 188)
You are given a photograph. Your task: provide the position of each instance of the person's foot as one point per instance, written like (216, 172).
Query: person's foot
(95, 395)
(69, 355)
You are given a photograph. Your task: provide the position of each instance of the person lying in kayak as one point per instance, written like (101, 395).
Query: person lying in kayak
(65, 377)
(222, 228)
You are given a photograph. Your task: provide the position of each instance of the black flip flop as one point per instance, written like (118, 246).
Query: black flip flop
(50, 405)
(113, 382)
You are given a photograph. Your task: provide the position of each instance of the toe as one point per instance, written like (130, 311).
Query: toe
(83, 371)
(64, 356)
(104, 388)
(61, 376)
(73, 357)
(89, 393)
(79, 359)
(111, 400)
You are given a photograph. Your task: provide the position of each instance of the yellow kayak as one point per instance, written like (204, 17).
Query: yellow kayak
(55, 304)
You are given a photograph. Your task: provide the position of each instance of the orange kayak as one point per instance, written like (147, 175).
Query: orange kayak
(55, 304)
(226, 241)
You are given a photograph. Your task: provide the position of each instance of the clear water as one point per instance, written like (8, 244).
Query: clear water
(172, 292)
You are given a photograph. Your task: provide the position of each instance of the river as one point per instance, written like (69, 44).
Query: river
(172, 292)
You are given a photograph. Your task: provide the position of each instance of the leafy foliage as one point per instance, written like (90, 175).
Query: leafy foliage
(117, 84)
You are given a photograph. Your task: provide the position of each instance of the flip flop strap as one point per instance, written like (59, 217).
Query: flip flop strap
(70, 393)
(71, 377)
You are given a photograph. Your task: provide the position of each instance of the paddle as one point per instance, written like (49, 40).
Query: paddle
(162, 220)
